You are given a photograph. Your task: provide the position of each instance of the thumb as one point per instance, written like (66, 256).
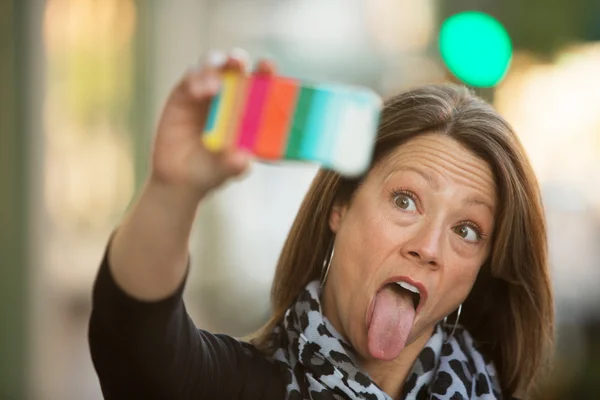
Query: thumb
(230, 163)
(236, 162)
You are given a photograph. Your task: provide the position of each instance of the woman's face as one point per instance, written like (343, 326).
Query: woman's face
(424, 216)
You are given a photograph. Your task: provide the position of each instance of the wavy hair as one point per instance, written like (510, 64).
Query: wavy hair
(510, 309)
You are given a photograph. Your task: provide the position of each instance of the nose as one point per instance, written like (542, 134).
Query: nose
(424, 246)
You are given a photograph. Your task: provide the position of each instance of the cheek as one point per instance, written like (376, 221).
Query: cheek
(362, 244)
(465, 280)
(459, 275)
(455, 285)
(365, 233)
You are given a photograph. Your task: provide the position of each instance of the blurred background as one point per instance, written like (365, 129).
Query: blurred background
(83, 81)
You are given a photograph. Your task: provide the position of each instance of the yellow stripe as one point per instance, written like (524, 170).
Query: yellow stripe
(215, 140)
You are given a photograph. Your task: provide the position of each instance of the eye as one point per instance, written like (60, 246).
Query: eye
(405, 202)
(468, 232)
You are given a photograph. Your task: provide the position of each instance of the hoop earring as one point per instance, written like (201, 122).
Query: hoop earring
(327, 263)
(455, 322)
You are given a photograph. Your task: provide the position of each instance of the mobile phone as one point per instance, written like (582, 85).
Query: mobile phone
(283, 118)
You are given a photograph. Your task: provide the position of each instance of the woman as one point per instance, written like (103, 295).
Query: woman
(425, 278)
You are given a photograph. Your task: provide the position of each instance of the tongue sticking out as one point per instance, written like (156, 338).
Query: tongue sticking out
(392, 319)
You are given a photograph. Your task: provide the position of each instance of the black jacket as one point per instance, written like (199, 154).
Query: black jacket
(147, 350)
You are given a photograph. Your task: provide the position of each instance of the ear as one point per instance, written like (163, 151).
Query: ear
(336, 216)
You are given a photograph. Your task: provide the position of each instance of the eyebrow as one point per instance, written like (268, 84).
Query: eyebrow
(474, 201)
(470, 201)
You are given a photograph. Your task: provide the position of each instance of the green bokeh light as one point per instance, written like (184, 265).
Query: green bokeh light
(476, 48)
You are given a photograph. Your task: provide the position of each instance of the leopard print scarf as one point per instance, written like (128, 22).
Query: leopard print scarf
(319, 364)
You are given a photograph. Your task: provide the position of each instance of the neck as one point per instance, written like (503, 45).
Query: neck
(390, 375)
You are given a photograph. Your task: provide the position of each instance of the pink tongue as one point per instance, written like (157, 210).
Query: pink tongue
(391, 322)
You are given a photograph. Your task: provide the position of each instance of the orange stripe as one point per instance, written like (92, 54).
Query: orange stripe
(277, 118)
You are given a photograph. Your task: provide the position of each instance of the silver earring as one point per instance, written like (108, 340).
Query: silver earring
(455, 322)
(327, 263)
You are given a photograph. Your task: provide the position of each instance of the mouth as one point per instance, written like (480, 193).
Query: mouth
(414, 292)
(404, 284)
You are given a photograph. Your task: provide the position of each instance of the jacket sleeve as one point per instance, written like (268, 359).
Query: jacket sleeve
(153, 350)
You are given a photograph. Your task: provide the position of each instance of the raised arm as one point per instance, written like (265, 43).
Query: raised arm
(149, 251)
(142, 341)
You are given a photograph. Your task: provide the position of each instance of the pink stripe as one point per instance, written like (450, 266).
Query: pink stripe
(257, 96)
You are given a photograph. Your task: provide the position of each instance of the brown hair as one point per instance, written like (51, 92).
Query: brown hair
(510, 310)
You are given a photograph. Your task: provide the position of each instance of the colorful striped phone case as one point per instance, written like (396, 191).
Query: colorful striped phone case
(280, 118)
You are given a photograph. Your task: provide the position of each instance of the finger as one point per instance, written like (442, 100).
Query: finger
(189, 101)
(236, 162)
(202, 80)
(265, 66)
(202, 84)
(215, 60)
(238, 60)
(211, 64)
(229, 163)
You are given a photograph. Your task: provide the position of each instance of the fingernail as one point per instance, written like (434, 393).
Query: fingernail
(216, 58)
(240, 54)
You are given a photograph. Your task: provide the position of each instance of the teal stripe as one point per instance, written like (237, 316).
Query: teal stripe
(315, 124)
(298, 125)
(212, 113)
